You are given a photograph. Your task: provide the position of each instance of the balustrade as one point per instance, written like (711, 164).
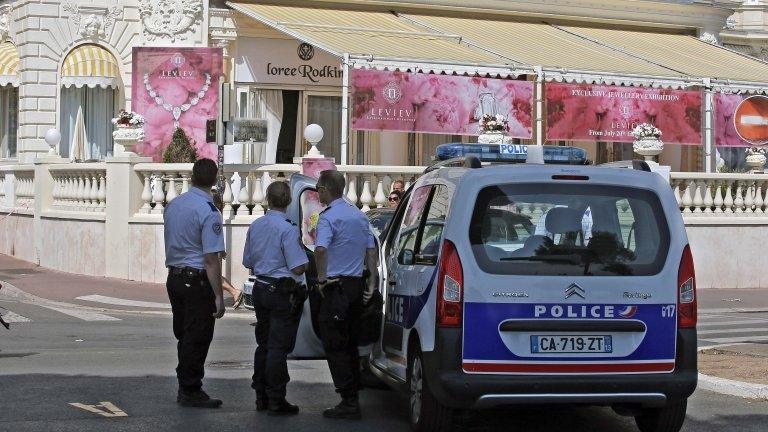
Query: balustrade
(707, 195)
(79, 187)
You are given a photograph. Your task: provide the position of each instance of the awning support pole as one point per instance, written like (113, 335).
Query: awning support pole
(708, 126)
(344, 109)
(539, 105)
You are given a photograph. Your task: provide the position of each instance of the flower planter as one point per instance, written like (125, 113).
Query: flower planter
(126, 137)
(648, 147)
(756, 161)
(494, 137)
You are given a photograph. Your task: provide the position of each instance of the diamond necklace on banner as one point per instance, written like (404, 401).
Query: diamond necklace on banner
(175, 110)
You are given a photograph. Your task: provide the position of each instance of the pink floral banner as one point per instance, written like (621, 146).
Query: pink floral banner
(176, 87)
(439, 104)
(585, 112)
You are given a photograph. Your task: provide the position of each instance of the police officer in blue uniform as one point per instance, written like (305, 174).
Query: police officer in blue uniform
(345, 246)
(194, 247)
(276, 257)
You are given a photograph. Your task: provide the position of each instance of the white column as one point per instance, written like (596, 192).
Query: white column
(539, 105)
(708, 162)
(344, 108)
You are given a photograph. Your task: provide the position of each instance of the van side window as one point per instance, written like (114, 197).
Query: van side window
(429, 246)
(409, 228)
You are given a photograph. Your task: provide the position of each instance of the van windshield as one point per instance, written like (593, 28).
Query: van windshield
(568, 230)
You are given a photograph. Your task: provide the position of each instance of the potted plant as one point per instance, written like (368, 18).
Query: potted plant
(493, 129)
(129, 133)
(756, 158)
(647, 141)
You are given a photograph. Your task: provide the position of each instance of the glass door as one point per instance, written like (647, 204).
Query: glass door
(324, 109)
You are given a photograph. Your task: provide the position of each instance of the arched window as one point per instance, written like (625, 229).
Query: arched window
(9, 99)
(90, 77)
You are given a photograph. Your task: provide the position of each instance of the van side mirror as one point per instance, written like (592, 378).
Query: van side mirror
(406, 257)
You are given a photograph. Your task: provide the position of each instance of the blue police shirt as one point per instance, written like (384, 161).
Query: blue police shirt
(273, 246)
(345, 232)
(193, 228)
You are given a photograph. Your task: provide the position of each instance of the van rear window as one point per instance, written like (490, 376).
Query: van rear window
(569, 230)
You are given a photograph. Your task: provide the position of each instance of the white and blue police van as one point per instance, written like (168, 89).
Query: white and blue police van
(510, 285)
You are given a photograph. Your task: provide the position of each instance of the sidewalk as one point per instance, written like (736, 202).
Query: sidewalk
(738, 370)
(66, 287)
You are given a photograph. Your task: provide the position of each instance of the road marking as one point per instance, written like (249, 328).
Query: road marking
(736, 330)
(111, 409)
(84, 315)
(96, 298)
(729, 323)
(737, 339)
(11, 317)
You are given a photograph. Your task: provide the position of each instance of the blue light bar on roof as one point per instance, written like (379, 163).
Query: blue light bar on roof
(511, 153)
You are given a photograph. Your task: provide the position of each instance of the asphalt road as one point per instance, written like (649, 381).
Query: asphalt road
(55, 358)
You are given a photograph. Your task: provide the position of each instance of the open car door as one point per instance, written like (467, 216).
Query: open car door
(304, 210)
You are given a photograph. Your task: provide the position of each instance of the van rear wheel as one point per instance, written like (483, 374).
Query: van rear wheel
(426, 413)
(668, 418)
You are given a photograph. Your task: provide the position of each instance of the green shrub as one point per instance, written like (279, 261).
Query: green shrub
(181, 149)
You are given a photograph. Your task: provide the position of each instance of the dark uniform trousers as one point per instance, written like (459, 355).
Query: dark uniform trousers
(339, 321)
(276, 327)
(193, 304)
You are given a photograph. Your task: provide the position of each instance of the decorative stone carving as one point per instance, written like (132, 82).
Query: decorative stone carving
(221, 29)
(648, 147)
(92, 22)
(170, 19)
(730, 23)
(5, 22)
(494, 137)
(709, 38)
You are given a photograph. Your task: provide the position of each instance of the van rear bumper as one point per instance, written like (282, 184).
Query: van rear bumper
(456, 389)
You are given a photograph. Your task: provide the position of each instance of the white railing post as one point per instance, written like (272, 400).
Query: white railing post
(380, 198)
(158, 195)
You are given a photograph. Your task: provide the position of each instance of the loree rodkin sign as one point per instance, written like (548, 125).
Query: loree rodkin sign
(285, 61)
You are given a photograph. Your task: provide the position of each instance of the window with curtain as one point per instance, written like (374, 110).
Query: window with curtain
(268, 104)
(9, 120)
(326, 111)
(98, 106)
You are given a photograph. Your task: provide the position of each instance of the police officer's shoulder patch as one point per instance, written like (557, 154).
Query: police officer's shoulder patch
(216, 228)
(213, 207)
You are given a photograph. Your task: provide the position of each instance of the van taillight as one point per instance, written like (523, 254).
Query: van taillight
(686, 298)
(450, 282)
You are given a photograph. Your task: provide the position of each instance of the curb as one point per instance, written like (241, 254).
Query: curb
(11, 292)
(731, 387)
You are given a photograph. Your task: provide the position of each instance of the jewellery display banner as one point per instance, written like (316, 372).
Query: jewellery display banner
(587, 112)
(740, 120)
(176, 87)
(439, 104)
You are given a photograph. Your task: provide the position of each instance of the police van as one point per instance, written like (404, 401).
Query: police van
(533, 284)
(539, 284)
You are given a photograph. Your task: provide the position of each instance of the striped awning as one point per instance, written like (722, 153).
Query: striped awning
(9, 64)
(91, 66)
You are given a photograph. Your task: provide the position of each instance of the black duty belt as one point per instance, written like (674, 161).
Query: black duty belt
(187, 271)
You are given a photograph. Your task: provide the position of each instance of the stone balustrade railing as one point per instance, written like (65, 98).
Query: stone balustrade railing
(24, 188)
(79, 187)
(374, 182)
(713, 195)
(245, 186)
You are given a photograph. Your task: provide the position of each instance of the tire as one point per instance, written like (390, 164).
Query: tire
(425, 413)
(669, 418)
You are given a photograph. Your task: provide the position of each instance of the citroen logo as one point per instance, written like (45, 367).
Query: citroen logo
(575, 290)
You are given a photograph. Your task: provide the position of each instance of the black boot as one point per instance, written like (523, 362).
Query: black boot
(197, 399)
(262, 402)
(282, 407)
(348, 408)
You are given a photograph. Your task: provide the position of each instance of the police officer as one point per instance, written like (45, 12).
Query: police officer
(194, 246)
(276, 257)
(344, 246)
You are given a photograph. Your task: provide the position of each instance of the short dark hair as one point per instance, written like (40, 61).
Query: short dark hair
(204, 173)
(333, 181)
(278, 194)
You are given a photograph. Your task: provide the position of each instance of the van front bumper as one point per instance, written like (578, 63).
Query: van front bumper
(457, 389)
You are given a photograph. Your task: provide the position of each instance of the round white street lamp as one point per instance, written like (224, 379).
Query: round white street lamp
(313, 133)
(52, 138)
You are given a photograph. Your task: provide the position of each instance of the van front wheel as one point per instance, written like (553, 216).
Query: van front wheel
(426, 413)
(668, 418)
